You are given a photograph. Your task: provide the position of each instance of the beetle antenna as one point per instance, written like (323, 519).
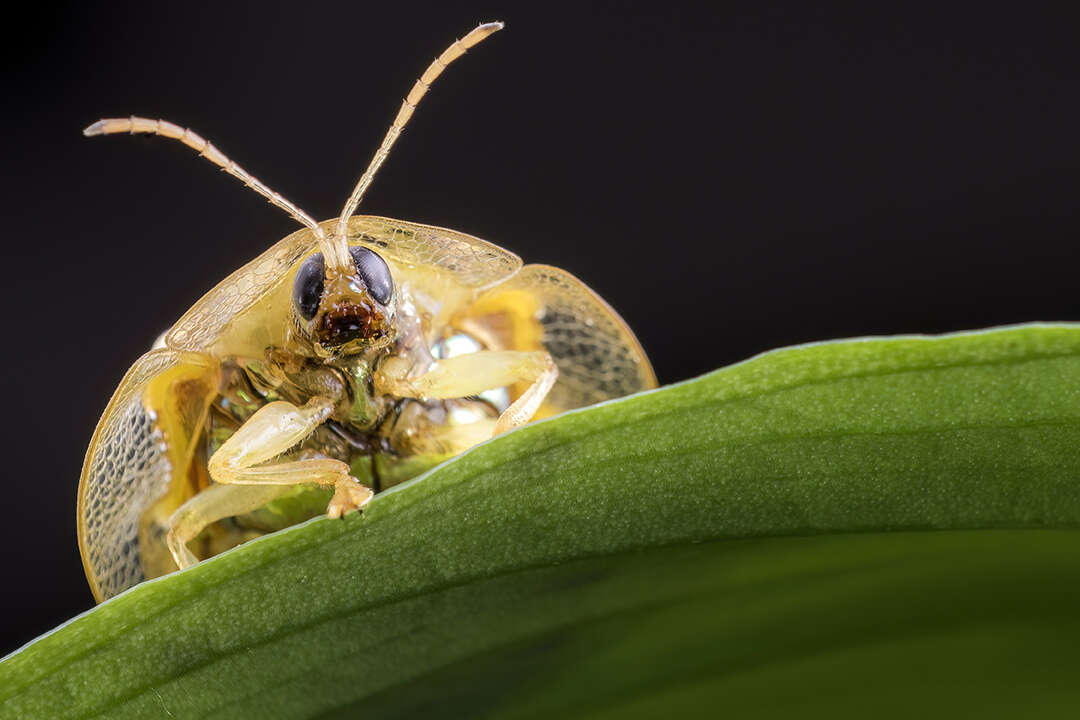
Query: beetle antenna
(194, 141)
(408, 105)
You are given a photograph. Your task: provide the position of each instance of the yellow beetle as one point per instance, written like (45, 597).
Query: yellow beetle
(350, 356)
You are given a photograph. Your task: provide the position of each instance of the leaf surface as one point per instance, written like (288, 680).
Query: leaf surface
(883, 526)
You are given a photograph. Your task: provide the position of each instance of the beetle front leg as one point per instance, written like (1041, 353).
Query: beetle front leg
(473, 373)
(522, 409)
(272, 430)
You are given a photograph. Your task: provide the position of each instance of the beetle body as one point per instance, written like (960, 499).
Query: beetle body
(350, 356)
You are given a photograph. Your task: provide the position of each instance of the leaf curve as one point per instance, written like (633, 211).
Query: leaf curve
(613, 561)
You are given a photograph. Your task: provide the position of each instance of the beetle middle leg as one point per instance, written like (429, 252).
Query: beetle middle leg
(212, 504)
(242, 464)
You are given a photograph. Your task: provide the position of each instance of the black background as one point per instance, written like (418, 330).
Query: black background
(732, 180)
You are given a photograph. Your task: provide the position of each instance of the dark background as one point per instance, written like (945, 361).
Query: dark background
(731, 180)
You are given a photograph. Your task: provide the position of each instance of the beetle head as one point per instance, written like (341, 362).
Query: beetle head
(345, 310)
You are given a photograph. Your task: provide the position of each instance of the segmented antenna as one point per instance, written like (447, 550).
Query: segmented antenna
(335, 248)
(408, 105)
(200, 145)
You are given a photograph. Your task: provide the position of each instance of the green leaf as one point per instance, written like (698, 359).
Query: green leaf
(765, 540)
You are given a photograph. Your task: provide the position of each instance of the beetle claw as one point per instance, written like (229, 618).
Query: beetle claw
(349, 495)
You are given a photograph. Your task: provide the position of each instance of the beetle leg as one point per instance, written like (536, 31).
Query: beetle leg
(272, 430)
(242, 461)
(522, 409)
(212, 504)
(472, 373)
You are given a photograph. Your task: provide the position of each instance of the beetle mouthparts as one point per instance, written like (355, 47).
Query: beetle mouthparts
(351, 322)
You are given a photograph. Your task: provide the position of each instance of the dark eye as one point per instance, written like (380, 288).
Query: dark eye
(308, 287)
(374, 272)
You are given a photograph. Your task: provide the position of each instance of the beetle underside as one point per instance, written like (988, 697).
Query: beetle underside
(383, 440)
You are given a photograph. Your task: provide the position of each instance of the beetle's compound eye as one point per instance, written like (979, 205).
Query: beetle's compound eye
(308, 286)
(374, 272)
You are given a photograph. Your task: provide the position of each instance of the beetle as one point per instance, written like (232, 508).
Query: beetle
(350, 356)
